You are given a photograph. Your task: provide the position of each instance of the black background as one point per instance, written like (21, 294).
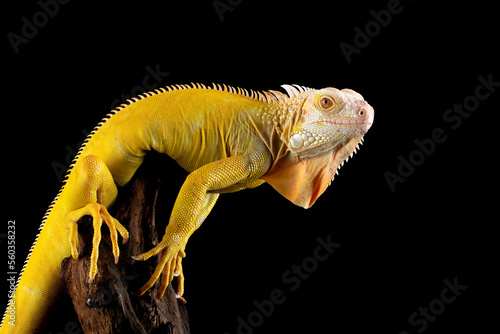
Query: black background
(396, 247)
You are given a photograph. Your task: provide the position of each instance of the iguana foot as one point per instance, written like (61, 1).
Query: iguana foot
(98, 213)
(170, 265)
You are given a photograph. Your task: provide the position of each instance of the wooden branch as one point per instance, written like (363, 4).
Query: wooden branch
(106, 306)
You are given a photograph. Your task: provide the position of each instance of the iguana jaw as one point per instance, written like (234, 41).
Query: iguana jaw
(302, 181)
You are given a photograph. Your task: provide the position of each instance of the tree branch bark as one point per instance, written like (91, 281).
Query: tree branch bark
(105, 306)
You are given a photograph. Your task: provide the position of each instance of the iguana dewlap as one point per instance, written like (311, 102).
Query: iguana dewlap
(227, 139)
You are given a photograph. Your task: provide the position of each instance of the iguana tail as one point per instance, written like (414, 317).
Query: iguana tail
(39, 284)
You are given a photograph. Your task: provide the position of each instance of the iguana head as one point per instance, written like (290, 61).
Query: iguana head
(320, 135)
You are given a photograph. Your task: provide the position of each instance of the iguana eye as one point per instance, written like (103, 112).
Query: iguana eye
(326, 103)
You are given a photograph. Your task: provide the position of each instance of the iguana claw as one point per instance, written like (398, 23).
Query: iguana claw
(169, 264)
(98, 213)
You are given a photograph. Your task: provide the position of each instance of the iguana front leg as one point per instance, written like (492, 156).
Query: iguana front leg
(193, 205)
(209, 203)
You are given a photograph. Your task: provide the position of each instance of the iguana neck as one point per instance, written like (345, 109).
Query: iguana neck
(279, 119)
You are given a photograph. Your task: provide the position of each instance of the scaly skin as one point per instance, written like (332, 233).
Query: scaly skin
(227, 139)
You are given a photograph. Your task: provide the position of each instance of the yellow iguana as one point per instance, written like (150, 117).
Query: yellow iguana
(228, 139)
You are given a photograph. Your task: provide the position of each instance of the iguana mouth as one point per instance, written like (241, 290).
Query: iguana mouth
(344, 121)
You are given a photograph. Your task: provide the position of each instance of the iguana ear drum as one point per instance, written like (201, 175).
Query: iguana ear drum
(296, 141)
(305, 140)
